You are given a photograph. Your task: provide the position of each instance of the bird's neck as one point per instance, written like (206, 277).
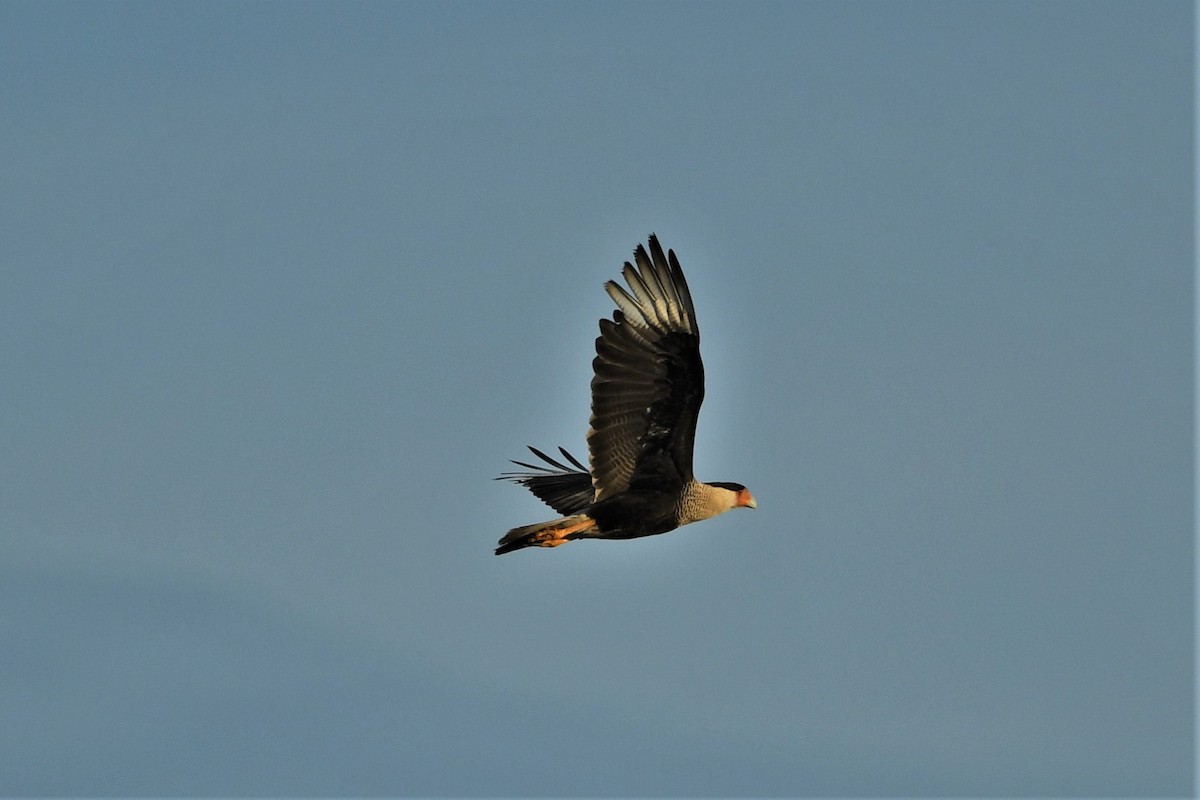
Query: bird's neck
(702, 501)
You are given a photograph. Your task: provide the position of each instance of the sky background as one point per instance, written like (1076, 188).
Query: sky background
(286, 285)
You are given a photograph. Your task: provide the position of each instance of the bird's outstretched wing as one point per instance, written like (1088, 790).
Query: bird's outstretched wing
(648, 382)
(566, 490)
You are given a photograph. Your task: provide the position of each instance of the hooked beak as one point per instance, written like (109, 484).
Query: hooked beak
(747, 500)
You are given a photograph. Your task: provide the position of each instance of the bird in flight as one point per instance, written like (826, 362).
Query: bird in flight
(647, 387)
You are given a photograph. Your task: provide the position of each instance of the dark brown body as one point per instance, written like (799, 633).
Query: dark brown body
(629, 516)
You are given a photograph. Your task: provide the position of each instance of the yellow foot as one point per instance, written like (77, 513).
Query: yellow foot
(553, 538)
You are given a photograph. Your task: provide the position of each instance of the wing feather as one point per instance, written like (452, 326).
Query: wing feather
(566, 490)
(666, 299)
(648, 379)
(684, 294)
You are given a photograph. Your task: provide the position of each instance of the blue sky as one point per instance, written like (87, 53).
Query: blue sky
(287, 284)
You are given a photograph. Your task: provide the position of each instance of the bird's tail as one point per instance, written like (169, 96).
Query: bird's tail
(547, 534)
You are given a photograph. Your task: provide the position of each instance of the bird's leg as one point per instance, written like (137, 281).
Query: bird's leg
(556, 536)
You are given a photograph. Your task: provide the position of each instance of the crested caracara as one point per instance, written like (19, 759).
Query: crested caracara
(646, 393)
